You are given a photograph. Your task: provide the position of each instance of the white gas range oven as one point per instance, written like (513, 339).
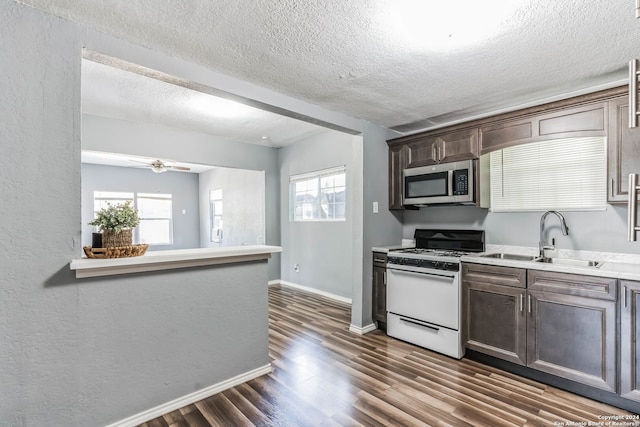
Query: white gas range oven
(424, 290)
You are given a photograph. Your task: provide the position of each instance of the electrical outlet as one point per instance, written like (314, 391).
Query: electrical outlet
(375, 207)
(296, 268)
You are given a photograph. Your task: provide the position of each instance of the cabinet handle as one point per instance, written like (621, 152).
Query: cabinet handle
(613, 187)
(433, 152)
(633, 93)
(384, 278)
(631, 211)
(439, 154)
(521, 303)
(529, 301)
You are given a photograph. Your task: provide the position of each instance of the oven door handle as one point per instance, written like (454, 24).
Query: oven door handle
(421, 271)
(419, 323)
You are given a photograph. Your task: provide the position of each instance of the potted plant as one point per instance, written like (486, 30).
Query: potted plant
(116, 223)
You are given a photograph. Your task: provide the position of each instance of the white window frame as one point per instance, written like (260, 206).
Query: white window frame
(162, 197)
(314, 190)
(101, 198)
(216, 233)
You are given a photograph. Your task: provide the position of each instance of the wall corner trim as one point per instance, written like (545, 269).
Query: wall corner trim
(364, 330)
(312, 290)
(190, 398)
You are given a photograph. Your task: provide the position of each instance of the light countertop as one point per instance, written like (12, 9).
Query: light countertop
(615, 265)
(165, 260)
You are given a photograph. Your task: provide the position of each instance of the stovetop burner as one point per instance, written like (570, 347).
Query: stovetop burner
(440, 249)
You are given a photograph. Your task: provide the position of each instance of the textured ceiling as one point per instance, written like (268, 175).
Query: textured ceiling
(109, 91)
(358, 57)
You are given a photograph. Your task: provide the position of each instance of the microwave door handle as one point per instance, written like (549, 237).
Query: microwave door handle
(450, 183)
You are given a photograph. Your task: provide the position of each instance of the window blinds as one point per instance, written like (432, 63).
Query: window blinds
(567, 174)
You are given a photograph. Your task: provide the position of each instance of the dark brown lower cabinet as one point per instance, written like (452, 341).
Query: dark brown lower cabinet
(380, 289)
(630, 340)
(494, 320)
(573, 337)
(561, 324)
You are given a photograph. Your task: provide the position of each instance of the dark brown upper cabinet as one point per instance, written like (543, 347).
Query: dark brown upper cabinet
(583, 121)
(443, 148)
(603, 113)
(397, 163)
(623, 151)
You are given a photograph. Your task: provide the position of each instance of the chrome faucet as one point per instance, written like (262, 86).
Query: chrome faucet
(563, 224)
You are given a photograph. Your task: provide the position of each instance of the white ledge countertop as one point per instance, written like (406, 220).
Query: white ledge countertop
(166, 260)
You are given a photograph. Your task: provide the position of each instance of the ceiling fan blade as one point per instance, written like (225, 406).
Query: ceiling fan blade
(139, 161)
(179, 168)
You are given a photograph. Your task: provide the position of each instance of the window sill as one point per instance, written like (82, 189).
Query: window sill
(167, 260)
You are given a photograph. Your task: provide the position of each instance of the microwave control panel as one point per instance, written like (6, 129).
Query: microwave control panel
(461, 182)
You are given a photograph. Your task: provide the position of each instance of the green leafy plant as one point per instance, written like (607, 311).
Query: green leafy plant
(116, 217)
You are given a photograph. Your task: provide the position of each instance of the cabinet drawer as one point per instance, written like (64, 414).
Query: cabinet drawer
(494, 275)
(572, 284)
(380, 259)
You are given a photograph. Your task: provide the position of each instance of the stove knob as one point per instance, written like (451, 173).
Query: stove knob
(436, 264)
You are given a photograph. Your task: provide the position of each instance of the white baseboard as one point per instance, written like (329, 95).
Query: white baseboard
(363, 330)
(312, 290)
(194, 397)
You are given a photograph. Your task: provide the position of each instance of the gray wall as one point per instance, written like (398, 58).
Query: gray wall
(592, 231)
(90, 352)
(322, 249)
(182, 186)
(119, 136)
(379, 229)
(243, 206)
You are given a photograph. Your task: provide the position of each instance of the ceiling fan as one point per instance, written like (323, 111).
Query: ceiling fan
(158, 166)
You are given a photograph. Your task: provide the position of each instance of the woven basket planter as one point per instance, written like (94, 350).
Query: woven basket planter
(115, 252)
(111, 239)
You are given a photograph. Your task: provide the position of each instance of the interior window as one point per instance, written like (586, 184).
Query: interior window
(154, 210)
(215, 201)
(155, 218)
(567, 174)
(318, 196)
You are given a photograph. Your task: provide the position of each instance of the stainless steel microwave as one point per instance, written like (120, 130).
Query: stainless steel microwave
(445, 183)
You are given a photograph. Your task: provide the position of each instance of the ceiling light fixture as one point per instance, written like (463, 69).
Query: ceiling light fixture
(158, 166)
(431, 25)
(215, 106)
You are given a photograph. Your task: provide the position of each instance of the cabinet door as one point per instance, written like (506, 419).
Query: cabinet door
(501, 135)
(623, 151)
(397, 163)
(444, 148)
(495, 321)
(573, 337)
(630, 341)
(380, 295)
(457, 146)
(422, 152)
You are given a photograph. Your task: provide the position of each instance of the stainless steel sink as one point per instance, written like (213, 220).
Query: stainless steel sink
(570, 262)
(510, 256)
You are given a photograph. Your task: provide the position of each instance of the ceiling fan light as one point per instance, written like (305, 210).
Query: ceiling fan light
(158, 168)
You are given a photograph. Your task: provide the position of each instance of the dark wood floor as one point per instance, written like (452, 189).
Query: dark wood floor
(323, 375)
